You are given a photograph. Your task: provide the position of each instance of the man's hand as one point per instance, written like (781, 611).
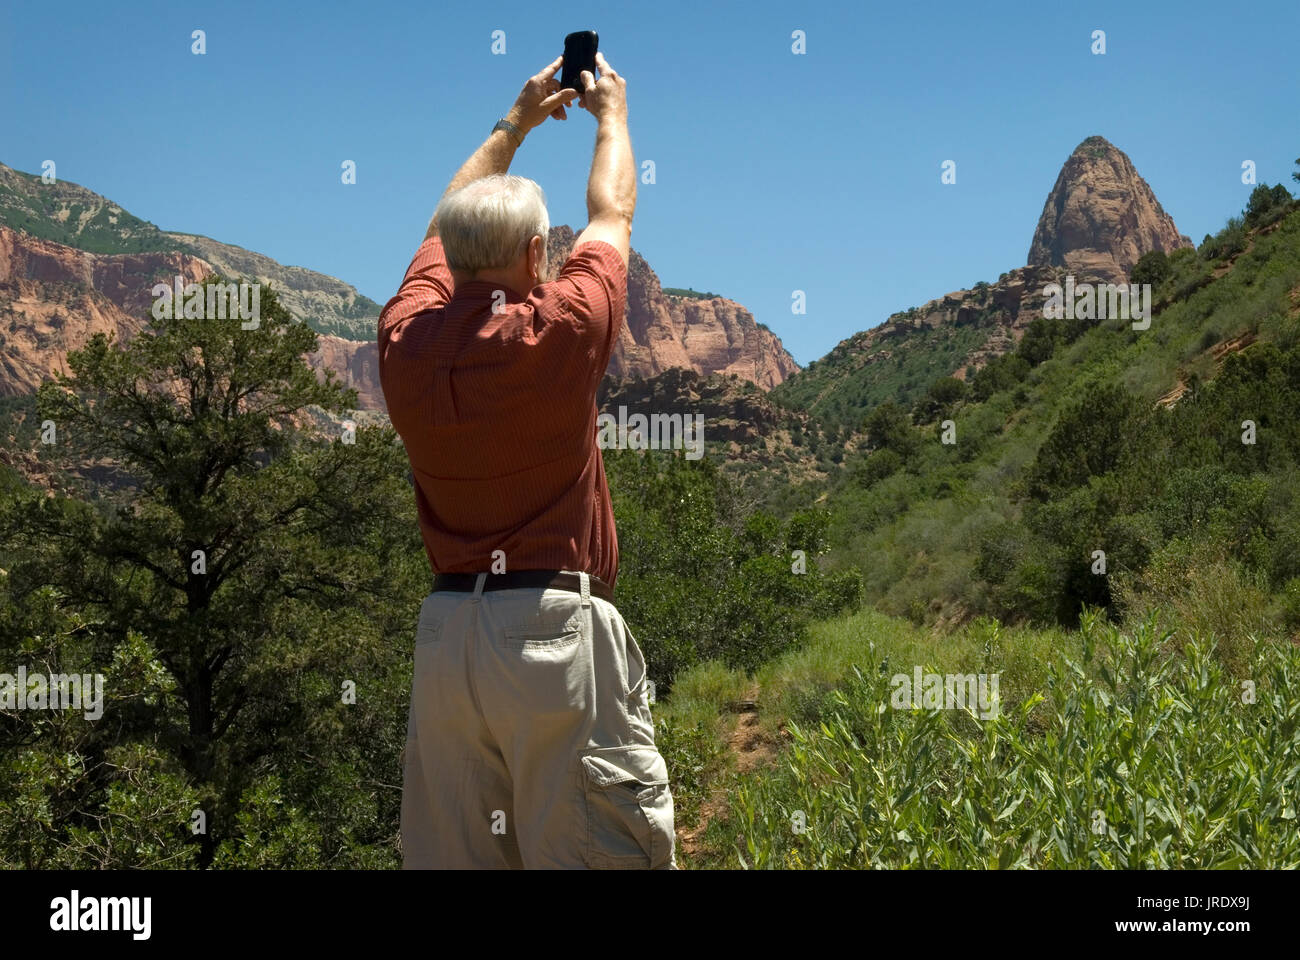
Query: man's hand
(541, 98)
(606, 95)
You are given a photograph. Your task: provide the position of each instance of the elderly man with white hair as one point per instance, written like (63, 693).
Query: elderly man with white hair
(529, 742)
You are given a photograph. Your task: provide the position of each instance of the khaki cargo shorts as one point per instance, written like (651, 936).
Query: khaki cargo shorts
(530, 742)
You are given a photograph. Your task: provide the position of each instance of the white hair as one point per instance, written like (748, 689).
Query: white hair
(488, 224)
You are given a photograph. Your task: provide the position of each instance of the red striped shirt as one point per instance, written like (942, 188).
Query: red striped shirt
(498, 411)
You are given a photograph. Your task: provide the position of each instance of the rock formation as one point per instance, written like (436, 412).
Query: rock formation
(1101, 217)
(707, 335)
(54, 298)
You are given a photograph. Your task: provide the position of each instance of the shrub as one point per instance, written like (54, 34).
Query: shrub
(1266, 204)
(1195, 589)
(1152, 267)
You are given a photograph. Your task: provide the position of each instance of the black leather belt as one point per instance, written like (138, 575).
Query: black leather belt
(546, 579)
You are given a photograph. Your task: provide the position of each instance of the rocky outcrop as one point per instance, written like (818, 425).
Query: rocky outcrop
(708, 335)
(996, 314)
(1101, 217)
(54, 298)
(355, 364)
(322, 302)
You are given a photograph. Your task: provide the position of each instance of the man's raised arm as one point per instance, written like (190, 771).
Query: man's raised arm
(611, 188)
(540, 98)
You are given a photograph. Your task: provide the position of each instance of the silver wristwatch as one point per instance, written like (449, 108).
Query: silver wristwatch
(511, 129)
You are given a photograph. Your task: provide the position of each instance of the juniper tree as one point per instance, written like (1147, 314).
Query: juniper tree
(269, 566)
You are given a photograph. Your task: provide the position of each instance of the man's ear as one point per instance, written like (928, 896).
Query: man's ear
(537, 258)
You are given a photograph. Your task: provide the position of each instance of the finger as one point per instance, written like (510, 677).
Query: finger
(587, 80)
(550, 68)
(604, 65)
(559, 114)
(555, 100)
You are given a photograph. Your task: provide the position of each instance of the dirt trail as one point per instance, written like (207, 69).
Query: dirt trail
(748, 747)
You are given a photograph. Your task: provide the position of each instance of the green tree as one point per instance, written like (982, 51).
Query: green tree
(1153, 267)
(889, 427)
(1264, 200)
(1095, 435)
(267, 568)
(940, 398)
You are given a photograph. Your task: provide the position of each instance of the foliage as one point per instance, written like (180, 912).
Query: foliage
(249, 570)
(1133, 756)
(1266, 204)
(1152, 267)
(701, 577)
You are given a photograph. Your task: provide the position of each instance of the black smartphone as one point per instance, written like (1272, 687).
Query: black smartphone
(579, 55)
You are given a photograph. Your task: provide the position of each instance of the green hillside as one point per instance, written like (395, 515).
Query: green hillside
(74, 216)
(840, 389)
(1094, 436)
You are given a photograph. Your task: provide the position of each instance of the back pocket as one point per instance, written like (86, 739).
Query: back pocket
(542, 637)
(629, 808)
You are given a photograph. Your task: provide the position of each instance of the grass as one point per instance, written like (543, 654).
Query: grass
(1114, 748)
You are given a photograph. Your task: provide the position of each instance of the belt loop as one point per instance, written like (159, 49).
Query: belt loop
(585, 580)
(478, 587)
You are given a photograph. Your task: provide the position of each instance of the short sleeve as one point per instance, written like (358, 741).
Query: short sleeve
(593, 285)
(426, 286)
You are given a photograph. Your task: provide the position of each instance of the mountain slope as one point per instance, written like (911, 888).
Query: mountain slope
(325, 304)
(709, 335)
(72, 215)
(1129, 442)
(1099, 218)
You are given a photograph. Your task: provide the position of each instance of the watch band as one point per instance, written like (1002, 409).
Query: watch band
(511, 129)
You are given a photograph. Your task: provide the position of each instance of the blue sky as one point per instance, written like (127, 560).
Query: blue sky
(775, 172)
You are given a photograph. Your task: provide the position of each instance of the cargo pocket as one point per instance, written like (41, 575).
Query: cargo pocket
(629, 808)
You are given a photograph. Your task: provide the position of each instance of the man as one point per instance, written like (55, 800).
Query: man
(530, 742)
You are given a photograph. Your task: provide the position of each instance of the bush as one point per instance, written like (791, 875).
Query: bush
(1000, 373)
(702, 578)
(1195, 589)
(1227, 243)
(943, 394)
(873, 467)
(1152, 267)
(1096, 434)
(1266, 204)
(889, 427)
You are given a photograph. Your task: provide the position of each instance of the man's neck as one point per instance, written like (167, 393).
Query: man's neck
(506, 279)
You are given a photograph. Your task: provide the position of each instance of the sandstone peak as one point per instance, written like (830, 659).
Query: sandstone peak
(1101, 216)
